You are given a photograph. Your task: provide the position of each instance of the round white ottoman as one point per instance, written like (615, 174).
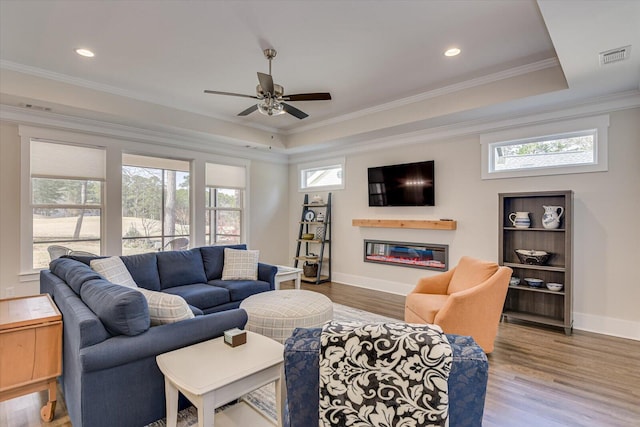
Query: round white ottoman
(276, 314)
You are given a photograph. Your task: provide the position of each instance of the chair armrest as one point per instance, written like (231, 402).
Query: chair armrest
(121, 349)
(437, 284)
(267, 273)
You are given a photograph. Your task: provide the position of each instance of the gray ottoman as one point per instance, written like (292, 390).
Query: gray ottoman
(276, 314)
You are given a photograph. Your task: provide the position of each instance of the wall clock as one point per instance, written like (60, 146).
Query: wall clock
(309, 215)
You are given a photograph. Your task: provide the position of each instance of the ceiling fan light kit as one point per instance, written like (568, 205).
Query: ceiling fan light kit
(272, 97)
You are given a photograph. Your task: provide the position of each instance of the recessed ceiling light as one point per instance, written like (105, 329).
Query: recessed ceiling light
(85, 52)
(452, 52)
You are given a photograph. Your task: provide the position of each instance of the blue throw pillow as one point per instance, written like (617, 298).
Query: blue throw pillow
(122, 311)
(213, 259)
(73, 272)
(144, 270)
(177, 268)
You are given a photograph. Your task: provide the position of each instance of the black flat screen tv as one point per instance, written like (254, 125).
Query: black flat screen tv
(409, 184)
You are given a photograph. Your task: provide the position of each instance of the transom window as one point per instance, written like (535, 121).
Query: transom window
(581, 146)
(327, 175)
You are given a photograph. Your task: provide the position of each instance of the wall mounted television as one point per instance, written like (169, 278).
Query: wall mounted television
(408, 184)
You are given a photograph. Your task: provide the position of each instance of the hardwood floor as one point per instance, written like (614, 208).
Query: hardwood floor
(538, 377)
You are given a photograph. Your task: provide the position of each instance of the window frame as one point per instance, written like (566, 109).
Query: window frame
(319, 165)
(27, 134)
(164, 238)
(210, 213)
(545, 132)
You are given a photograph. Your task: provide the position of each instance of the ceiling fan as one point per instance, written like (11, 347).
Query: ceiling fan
(271, 96)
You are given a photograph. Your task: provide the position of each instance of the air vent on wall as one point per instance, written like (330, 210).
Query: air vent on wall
(615, 55)
(36, 107)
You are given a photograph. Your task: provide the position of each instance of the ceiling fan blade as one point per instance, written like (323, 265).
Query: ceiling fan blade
(249, 110)
(216, 92)
(320, 96)
(266, 82)
(294, 111)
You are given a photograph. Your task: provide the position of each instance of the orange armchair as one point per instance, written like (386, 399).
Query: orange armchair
(466, 300)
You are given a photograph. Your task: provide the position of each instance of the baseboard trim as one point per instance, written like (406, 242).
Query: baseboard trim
(581, 321)
(397, 288)
(607, 326)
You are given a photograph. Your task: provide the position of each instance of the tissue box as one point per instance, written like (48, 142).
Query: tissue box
(235, 337)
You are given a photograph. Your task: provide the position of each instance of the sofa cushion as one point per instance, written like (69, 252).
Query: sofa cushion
(470, 272)
(166, 308)
(240, 264)
(144, 270)
(177, 268)
(213, 259)
(123, 311)
(241, 289)
(114, 270)
(73, 272)
(201, 295)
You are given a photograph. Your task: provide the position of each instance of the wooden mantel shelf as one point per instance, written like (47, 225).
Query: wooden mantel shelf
(406, 223)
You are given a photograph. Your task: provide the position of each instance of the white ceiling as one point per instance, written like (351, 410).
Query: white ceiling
(154, 58)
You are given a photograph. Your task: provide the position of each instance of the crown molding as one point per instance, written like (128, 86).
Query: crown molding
(113, 90)
(465, 124)
(166, 136)
(456, 87)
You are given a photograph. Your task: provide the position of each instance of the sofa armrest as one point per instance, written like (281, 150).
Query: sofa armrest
(122, 349)
(267, 273)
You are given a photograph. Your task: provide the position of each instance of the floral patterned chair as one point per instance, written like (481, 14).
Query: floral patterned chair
(467, 380)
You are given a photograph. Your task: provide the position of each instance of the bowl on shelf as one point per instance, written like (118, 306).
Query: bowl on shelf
(532, 257)
(556, 287)
(533, 282)
(308, 236)
(514, 281)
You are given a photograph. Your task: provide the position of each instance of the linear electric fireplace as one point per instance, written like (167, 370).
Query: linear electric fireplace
(417, 255)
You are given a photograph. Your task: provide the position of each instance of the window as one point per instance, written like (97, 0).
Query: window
(66, 199)
(155, 204)
(326, 175)
(574, 146)
(224, 203)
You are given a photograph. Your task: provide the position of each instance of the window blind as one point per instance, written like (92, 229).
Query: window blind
(225, 176)
(54, 160)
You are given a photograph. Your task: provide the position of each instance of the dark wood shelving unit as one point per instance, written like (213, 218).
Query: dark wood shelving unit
(538, 305)
(320, 243)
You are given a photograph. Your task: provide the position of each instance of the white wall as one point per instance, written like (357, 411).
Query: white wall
(606, 209)
(266, 212)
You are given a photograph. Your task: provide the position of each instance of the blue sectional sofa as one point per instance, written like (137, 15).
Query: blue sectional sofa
(109, 374)
(467, 379)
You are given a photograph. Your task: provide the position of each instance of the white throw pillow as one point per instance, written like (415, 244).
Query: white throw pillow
(114, 270)
(240, 264)
(166, 308)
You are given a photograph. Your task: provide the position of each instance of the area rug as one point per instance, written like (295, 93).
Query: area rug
(264, 398)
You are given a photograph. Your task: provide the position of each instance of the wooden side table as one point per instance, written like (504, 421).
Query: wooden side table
(30, 348)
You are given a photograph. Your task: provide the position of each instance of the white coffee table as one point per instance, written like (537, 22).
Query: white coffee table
(287, 273)
(211, 374)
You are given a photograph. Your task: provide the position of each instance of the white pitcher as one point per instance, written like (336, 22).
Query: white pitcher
(520, 219)
(551, 217)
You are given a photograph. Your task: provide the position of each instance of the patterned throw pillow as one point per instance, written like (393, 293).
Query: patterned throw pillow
(114, 270)
(240, 264)
(166, 308)
(163, 308)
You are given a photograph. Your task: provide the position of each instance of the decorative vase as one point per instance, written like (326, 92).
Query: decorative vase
(319, 233)
(520, 219)
(551, 216)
